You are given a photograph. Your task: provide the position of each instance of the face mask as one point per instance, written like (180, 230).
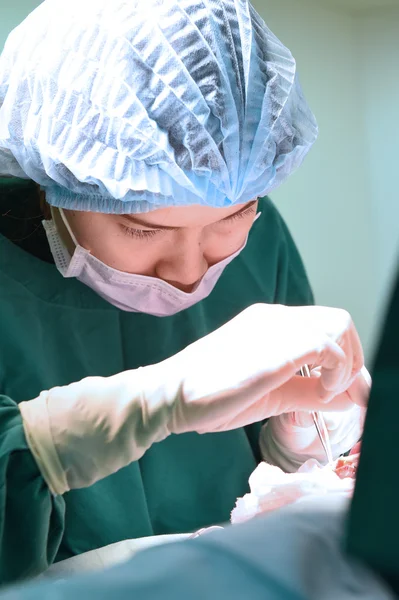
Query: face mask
(127, 291)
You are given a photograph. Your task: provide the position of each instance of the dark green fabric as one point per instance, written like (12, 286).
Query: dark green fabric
(55, 331)
(20, 217)
(373, 533)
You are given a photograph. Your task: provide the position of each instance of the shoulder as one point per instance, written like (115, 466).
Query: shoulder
(14, 191)
(19, 203)
(274, 247)
(21, 217)
(271, 232)
(272, 221)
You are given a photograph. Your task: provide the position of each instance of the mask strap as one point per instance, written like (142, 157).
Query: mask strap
(257, 217)
(68, 227)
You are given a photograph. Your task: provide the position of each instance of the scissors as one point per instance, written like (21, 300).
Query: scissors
(320, 424)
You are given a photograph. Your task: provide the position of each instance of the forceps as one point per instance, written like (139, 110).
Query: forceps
(320, 424)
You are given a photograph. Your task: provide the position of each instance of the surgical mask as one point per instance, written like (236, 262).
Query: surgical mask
(128, 291)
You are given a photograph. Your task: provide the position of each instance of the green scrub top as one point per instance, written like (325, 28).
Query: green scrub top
(55, 331)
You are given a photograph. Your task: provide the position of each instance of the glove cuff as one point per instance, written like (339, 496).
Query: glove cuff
(36, 422)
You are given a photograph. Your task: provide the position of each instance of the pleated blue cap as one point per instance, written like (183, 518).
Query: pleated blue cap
(125, 106)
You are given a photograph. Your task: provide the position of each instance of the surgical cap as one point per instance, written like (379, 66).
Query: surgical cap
(124, 106)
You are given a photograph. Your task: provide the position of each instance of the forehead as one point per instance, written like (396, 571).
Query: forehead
(187, 216)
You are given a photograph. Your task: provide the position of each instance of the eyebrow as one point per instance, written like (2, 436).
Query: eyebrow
(138, 221)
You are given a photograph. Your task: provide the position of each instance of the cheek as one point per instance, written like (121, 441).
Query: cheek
(128, 255)
(117, 250)
(111, 246)
(225, 241)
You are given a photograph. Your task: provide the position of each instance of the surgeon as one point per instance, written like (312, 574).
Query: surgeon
(163, 296)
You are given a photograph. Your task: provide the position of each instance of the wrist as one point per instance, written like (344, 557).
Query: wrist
(37, 428)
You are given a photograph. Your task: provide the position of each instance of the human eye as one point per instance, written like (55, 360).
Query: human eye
(241, 215)
(141, 234)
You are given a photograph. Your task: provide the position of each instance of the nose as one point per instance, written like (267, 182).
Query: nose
(184, 266)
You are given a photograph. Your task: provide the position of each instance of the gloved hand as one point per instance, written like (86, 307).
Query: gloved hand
(242, 373)
(289, 440)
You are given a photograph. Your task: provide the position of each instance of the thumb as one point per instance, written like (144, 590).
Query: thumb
(306, 397)
(303, 394)
(359, 391)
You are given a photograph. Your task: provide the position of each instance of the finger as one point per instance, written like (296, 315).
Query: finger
(331, 362)
(367, 376)
(357, 350)
(351, 345)
(334, 367)
(352, 459)
(347, 347)
(359, 391)
(303, 394)
(356, 449)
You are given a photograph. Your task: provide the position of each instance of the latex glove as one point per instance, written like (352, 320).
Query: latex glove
(242, 373)
(289, 440)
